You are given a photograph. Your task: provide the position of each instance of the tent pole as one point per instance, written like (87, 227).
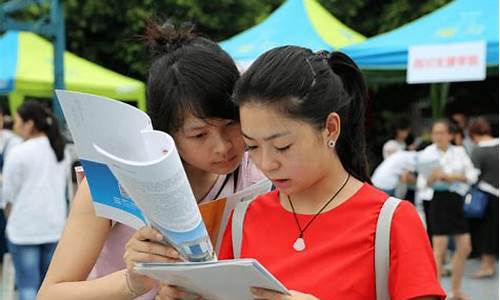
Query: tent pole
(439, 96)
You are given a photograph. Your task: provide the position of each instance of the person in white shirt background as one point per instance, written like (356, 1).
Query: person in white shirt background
(387, 176)
(8, 140)
(400, 130)
(34, 195)
(449, 175)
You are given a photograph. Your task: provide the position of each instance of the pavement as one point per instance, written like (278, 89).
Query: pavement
(476, 289)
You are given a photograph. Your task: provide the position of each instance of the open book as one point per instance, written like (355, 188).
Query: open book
(222, 280)
(136, 176)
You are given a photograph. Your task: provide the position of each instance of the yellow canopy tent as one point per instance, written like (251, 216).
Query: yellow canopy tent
(26, 69)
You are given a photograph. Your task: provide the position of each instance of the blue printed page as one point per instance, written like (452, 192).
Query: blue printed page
(90, 120)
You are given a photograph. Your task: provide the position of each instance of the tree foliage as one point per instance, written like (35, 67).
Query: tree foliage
(108, 32)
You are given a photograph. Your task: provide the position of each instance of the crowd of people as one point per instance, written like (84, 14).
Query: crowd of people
(462, 155)
(294, 116)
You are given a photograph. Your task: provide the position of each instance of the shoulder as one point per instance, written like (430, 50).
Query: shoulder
(369, 194)
(264, 204)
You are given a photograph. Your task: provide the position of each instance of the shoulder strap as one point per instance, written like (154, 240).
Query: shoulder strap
(237, 226)
(382, 247)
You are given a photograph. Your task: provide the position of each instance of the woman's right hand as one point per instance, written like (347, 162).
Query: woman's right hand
(170, 292)
(145, 246)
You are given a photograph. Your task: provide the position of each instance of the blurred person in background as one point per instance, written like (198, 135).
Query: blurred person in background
(400, 130)
(484, 231)
(394, 172)
(34, 195)
(8, 140)
(462, 120)
(450, 176)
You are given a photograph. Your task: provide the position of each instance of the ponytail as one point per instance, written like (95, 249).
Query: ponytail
(351, 146)
(44, 121)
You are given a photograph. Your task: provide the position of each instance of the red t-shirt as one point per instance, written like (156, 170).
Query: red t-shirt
(338, 262)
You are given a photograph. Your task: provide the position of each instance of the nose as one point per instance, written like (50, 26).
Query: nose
(222, 144)
(267, 162)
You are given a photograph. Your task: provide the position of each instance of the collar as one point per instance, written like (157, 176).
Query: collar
(489, 143)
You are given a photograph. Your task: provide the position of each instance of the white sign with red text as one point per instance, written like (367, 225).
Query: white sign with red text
(447, 62)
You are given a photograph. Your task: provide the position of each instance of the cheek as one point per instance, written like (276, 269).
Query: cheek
(234, 135)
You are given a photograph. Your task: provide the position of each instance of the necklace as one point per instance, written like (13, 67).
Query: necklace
(300, 244)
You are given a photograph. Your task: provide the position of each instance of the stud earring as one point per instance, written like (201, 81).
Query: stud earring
(331, 144)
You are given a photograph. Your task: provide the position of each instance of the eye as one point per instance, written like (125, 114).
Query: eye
(283, 149)
(229, 123)
(250, 148)
(199, 136)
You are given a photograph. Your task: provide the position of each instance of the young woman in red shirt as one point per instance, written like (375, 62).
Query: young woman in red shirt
(302, 119)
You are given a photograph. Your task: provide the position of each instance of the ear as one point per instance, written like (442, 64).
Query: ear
(332, 127)
(29, 126)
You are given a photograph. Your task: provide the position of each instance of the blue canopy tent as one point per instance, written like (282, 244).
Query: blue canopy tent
(384, 57)
(297, 22)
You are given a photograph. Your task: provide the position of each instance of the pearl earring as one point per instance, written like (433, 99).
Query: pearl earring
(331, 144)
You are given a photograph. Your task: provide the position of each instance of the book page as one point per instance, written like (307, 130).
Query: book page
(222, 280)
(94, 119)
(159, 186)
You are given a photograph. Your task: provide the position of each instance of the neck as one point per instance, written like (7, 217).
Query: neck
(36, 134)
(312, 199)
(484, 138)
(201, 181)
(443, 148)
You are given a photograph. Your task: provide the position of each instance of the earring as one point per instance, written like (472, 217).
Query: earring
(331, 144)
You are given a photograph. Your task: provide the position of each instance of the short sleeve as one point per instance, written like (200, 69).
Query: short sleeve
(12, 177)
(412, 268)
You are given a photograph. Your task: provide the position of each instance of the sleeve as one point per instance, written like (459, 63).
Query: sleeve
(471, 173)
(412, 267)
(476, 158)
(12, 176)
(226, 248)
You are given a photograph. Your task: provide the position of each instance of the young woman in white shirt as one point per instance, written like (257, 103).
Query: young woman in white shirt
(34, 195)
(446, 186)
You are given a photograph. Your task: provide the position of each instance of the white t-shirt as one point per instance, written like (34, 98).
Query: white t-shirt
(452, 161)
(391, 147)
(386, 175)
(35, 184)
(8, 140)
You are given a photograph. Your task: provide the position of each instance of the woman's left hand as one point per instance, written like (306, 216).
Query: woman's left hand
(272, 295)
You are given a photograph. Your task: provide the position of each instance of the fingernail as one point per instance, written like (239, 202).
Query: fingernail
(159, 237)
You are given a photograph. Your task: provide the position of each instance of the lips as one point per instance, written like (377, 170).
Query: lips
(281, 183)
(227, 161)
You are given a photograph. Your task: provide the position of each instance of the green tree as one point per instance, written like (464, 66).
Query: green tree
(108, 32)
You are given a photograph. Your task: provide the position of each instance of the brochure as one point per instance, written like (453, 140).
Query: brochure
(221, 280)
(124, 159)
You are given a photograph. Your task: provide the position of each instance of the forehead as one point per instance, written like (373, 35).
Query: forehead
(440, 127)
(259, 121)
(191, 122)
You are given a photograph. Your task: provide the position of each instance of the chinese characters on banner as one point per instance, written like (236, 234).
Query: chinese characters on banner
(447, 62)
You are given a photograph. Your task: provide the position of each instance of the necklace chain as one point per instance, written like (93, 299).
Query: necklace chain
(301, 234)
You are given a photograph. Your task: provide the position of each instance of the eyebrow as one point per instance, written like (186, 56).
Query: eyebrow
(271, 137)
(193, 128)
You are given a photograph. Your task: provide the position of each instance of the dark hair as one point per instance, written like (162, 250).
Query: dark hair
(309, 86)
(479, 126)
(445, 122)
(189, 73)
(399, 123)
(44, 121)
